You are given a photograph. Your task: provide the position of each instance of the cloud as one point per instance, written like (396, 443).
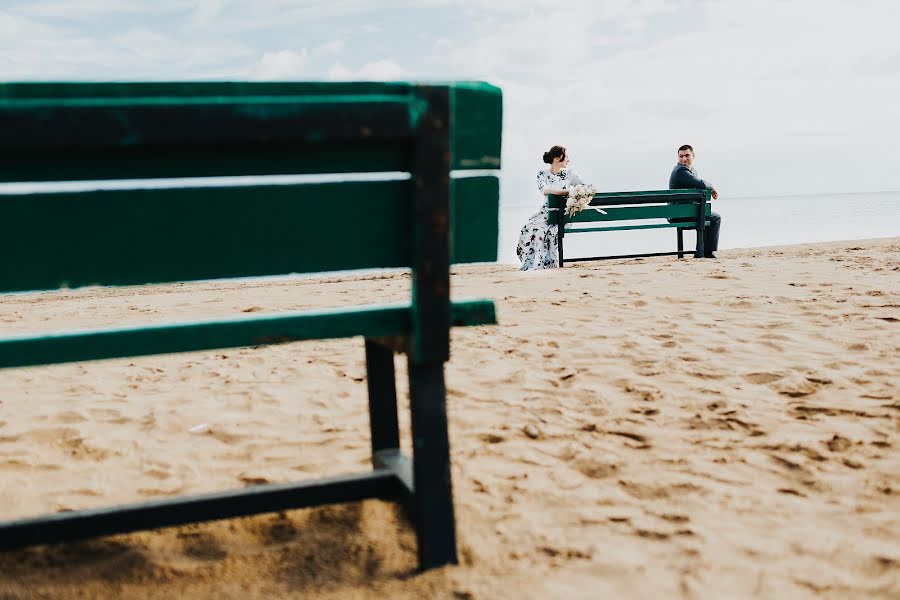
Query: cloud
(332, 47)
(380, 70)
(621, 82)
(339, 72)
(207, 10)
(284, 64)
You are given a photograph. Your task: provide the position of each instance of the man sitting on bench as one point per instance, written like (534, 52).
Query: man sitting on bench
(685, 176)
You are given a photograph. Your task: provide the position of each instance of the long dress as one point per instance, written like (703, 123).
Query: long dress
(537, 241)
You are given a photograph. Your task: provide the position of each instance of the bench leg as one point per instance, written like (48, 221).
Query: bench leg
(382, 397)
(701, 230)
(559, 246)
(433, 498)
(680, 242)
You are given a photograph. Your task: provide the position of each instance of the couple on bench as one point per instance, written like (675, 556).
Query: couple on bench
(537, 247)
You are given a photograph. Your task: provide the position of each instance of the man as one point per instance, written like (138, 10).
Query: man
(685, 176)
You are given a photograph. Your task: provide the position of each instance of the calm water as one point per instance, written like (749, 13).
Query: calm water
(746, 223)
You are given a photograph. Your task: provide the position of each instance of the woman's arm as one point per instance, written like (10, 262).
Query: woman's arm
(544, 186)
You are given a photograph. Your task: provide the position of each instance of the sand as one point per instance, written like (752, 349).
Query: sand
(646, 428)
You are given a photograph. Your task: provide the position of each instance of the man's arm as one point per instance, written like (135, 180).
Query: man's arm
(683, 178)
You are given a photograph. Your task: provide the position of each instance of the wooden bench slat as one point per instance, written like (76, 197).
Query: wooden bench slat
(120, 237)
(124, 237)
(261, 160)
(250, 330)
(168, 512)
(474, 211)
(630, 213)
(53, 140)
(57, 132)
(187, 89)
(624, 227)
(643, 196)
(477, 113)
(93, 123)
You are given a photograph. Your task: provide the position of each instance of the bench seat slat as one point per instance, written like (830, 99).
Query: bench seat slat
(250, 330)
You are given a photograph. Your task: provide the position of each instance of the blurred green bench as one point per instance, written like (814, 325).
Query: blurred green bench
(426, 220)
(634, 207)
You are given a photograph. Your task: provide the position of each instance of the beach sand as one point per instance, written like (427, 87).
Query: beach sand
(646, 428)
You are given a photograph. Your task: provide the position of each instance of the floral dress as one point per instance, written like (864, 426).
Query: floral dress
(537, 241)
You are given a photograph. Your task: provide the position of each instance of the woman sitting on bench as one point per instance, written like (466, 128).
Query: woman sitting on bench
(537, 240)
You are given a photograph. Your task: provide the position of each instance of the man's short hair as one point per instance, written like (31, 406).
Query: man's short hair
(686, 147)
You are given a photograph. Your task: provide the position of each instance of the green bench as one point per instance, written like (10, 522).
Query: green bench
(691, 205)
(425, 221)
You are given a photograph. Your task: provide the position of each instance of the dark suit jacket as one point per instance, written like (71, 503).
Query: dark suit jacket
(682, 178)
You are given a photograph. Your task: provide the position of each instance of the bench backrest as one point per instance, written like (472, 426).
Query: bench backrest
(638, 205)
(93, 131)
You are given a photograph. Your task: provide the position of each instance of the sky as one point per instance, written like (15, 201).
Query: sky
(778, 97)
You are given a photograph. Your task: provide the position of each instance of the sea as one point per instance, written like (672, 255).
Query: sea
(747, 222)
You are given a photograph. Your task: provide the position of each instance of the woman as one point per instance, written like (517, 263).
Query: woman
(537, 240)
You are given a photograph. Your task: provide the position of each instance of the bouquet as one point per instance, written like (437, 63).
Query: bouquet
(580, 197)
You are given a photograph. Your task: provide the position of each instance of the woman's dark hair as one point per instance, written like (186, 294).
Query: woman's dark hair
(554, 152)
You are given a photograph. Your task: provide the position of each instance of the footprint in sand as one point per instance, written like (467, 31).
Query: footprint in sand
(643, 442)
(796, 386)
(70, 416)
(643, 491)
(708, 374)
(838, 443)
(763, 377)
(162, 489)
(201, 546)
(112, 416)
(644, 392)
(277, 530)
(596, 469)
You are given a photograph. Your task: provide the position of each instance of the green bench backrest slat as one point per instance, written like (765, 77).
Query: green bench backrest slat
(54, 132)
(52, 140)
(125, 237)
(477, 110)
(628, 213)
(645, 197)
(627, 227)
(474, 206)
(122, 237)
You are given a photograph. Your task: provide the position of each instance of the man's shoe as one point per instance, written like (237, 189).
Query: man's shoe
(710, 255)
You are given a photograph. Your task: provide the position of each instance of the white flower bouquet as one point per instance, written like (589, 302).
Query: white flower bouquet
(580, 197)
